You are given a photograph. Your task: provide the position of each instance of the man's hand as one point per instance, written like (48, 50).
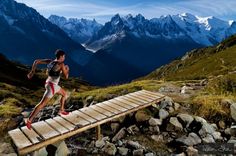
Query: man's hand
(30, 75)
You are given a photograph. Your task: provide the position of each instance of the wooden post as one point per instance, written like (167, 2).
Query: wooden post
(98, 132)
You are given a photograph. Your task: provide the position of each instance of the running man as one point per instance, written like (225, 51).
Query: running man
(54, 69)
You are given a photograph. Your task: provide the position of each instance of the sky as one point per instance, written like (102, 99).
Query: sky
(103, 10)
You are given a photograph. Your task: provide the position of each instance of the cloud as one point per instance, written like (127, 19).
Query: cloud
(103, 12)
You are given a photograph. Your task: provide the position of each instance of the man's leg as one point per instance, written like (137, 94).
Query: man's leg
(62, 92)
(38, 107)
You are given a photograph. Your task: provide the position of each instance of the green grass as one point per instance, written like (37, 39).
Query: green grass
(10, 107)
(102, 94)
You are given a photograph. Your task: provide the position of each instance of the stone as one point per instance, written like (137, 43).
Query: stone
(149, 154)
(228, 131)
(115, 127)
(119, 143)
(154, 122)
(221, 124)
(121, 134)
(62, 148)
(200, 119)
(40, 152)
(217, 136)
(154, 129)
(233, 111)
(176, 106)
(138, 152)
(192, 151)
(133, 129)
(208, 139)
(119, 120)
(89, 99)
(190, 140)
(142, 116)
(206, 129)
(163, 114)
(180, 154)
(133, 144)
(123, 151)
(233, 130)
(186, 118)
(174, 125)
(109, 149)
(158, 138)
(100, 143)
(171, 109)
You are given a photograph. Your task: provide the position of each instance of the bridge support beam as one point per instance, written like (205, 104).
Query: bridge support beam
(98, 132)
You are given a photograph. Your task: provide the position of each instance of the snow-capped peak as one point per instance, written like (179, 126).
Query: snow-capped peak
(78, 29)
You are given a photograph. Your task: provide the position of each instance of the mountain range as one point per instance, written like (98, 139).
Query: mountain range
(122, 49)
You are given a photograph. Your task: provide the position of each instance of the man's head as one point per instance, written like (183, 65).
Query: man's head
(60, 55)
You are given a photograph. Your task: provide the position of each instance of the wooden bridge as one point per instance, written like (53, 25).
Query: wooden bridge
(52, 130)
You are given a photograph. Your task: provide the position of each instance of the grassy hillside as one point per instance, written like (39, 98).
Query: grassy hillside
(18, 93)
(200, 63)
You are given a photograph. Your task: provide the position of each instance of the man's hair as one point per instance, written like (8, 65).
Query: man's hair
(59, 53)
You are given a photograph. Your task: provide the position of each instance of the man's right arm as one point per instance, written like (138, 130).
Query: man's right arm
(65, 70)
(36, 62)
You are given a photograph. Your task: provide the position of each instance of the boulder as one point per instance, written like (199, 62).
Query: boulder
(186, 118)
(190, 140)
(142, 116)
(115, 127)
(158, 138)
(206, 129)
(208, 139)
(154, 129)
(138, 152)
(123, 151)
(192, 151)
(233, 111)
(109, 149)
(176, 106)
(163, 114)
(154, 122)
(174, 125)
(133, 144)
(133, 129)
(121, 134)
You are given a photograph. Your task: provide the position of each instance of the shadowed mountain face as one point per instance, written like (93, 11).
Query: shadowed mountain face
(26, 35)
(201, 63)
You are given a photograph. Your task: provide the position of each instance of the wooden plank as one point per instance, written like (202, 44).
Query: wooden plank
(44, 130)
(147, 94)
(140, 97)
(141, 94)
(92, 113)
(103, 111)
(85, 116)
(19, 139)
(137, 99)
(115, 106)
(76, 131)
(77, 120)
(108, 108)
(132, 100)
(53, 123)
(31, 135)
(64, 122)
(154, 93)
(134, 104)
(121, 103)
